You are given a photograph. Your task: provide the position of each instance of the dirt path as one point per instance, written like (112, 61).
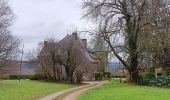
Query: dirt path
(73, 93)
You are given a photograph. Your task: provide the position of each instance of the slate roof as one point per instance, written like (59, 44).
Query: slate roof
(86, 53)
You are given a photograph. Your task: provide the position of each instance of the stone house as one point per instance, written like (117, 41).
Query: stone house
(158, 71)
(89, 63)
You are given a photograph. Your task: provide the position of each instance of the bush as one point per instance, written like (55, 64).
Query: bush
(150, 75)
(19, 77)
(36, 76)
(99, 76)
(14, 77)
(144, 82)
(118, 76)
(108, 74)
(160, 81)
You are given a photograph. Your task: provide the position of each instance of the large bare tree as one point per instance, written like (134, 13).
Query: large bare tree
(124, 20)
(61, 60)
(71, 58)
(154, 37)
(8, 43)
(48, 59)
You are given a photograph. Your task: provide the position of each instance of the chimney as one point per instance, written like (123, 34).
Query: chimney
(84, 41)
(45, 43)
(75, 35)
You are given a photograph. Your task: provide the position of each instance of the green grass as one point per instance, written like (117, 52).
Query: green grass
(28, 90)
(117, 91)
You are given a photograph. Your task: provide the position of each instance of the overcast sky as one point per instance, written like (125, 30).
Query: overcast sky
(41, 19)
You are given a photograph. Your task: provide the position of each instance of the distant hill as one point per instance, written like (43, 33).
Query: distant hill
(13, 67)
(114, 66)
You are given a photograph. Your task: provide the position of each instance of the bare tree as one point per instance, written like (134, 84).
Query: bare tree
(61, 60)
(31, 56)
(48, 60)
(71, 56)
(154, 37)
(8, 43)
(124, 19)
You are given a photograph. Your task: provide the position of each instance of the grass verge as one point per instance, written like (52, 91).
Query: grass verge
(121, 91)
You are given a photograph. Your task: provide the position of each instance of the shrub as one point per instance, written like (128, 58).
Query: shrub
(5, 76)
(144, 82)
(36, 76)
(108, 74)
(150, 75)
(14, 77)
(118, 76)
(19, 77)
(160, 81)
(99, 76)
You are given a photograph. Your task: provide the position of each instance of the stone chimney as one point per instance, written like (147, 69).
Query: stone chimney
(45, 43)
(84, 41)
(75, 35)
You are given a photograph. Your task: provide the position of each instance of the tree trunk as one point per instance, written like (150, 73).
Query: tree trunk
(132, 43)
(72, 80)
(134, 68)
(54, 73)
(135, 75)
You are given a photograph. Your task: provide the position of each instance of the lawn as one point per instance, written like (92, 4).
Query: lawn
(117, 91)
(27, 89)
